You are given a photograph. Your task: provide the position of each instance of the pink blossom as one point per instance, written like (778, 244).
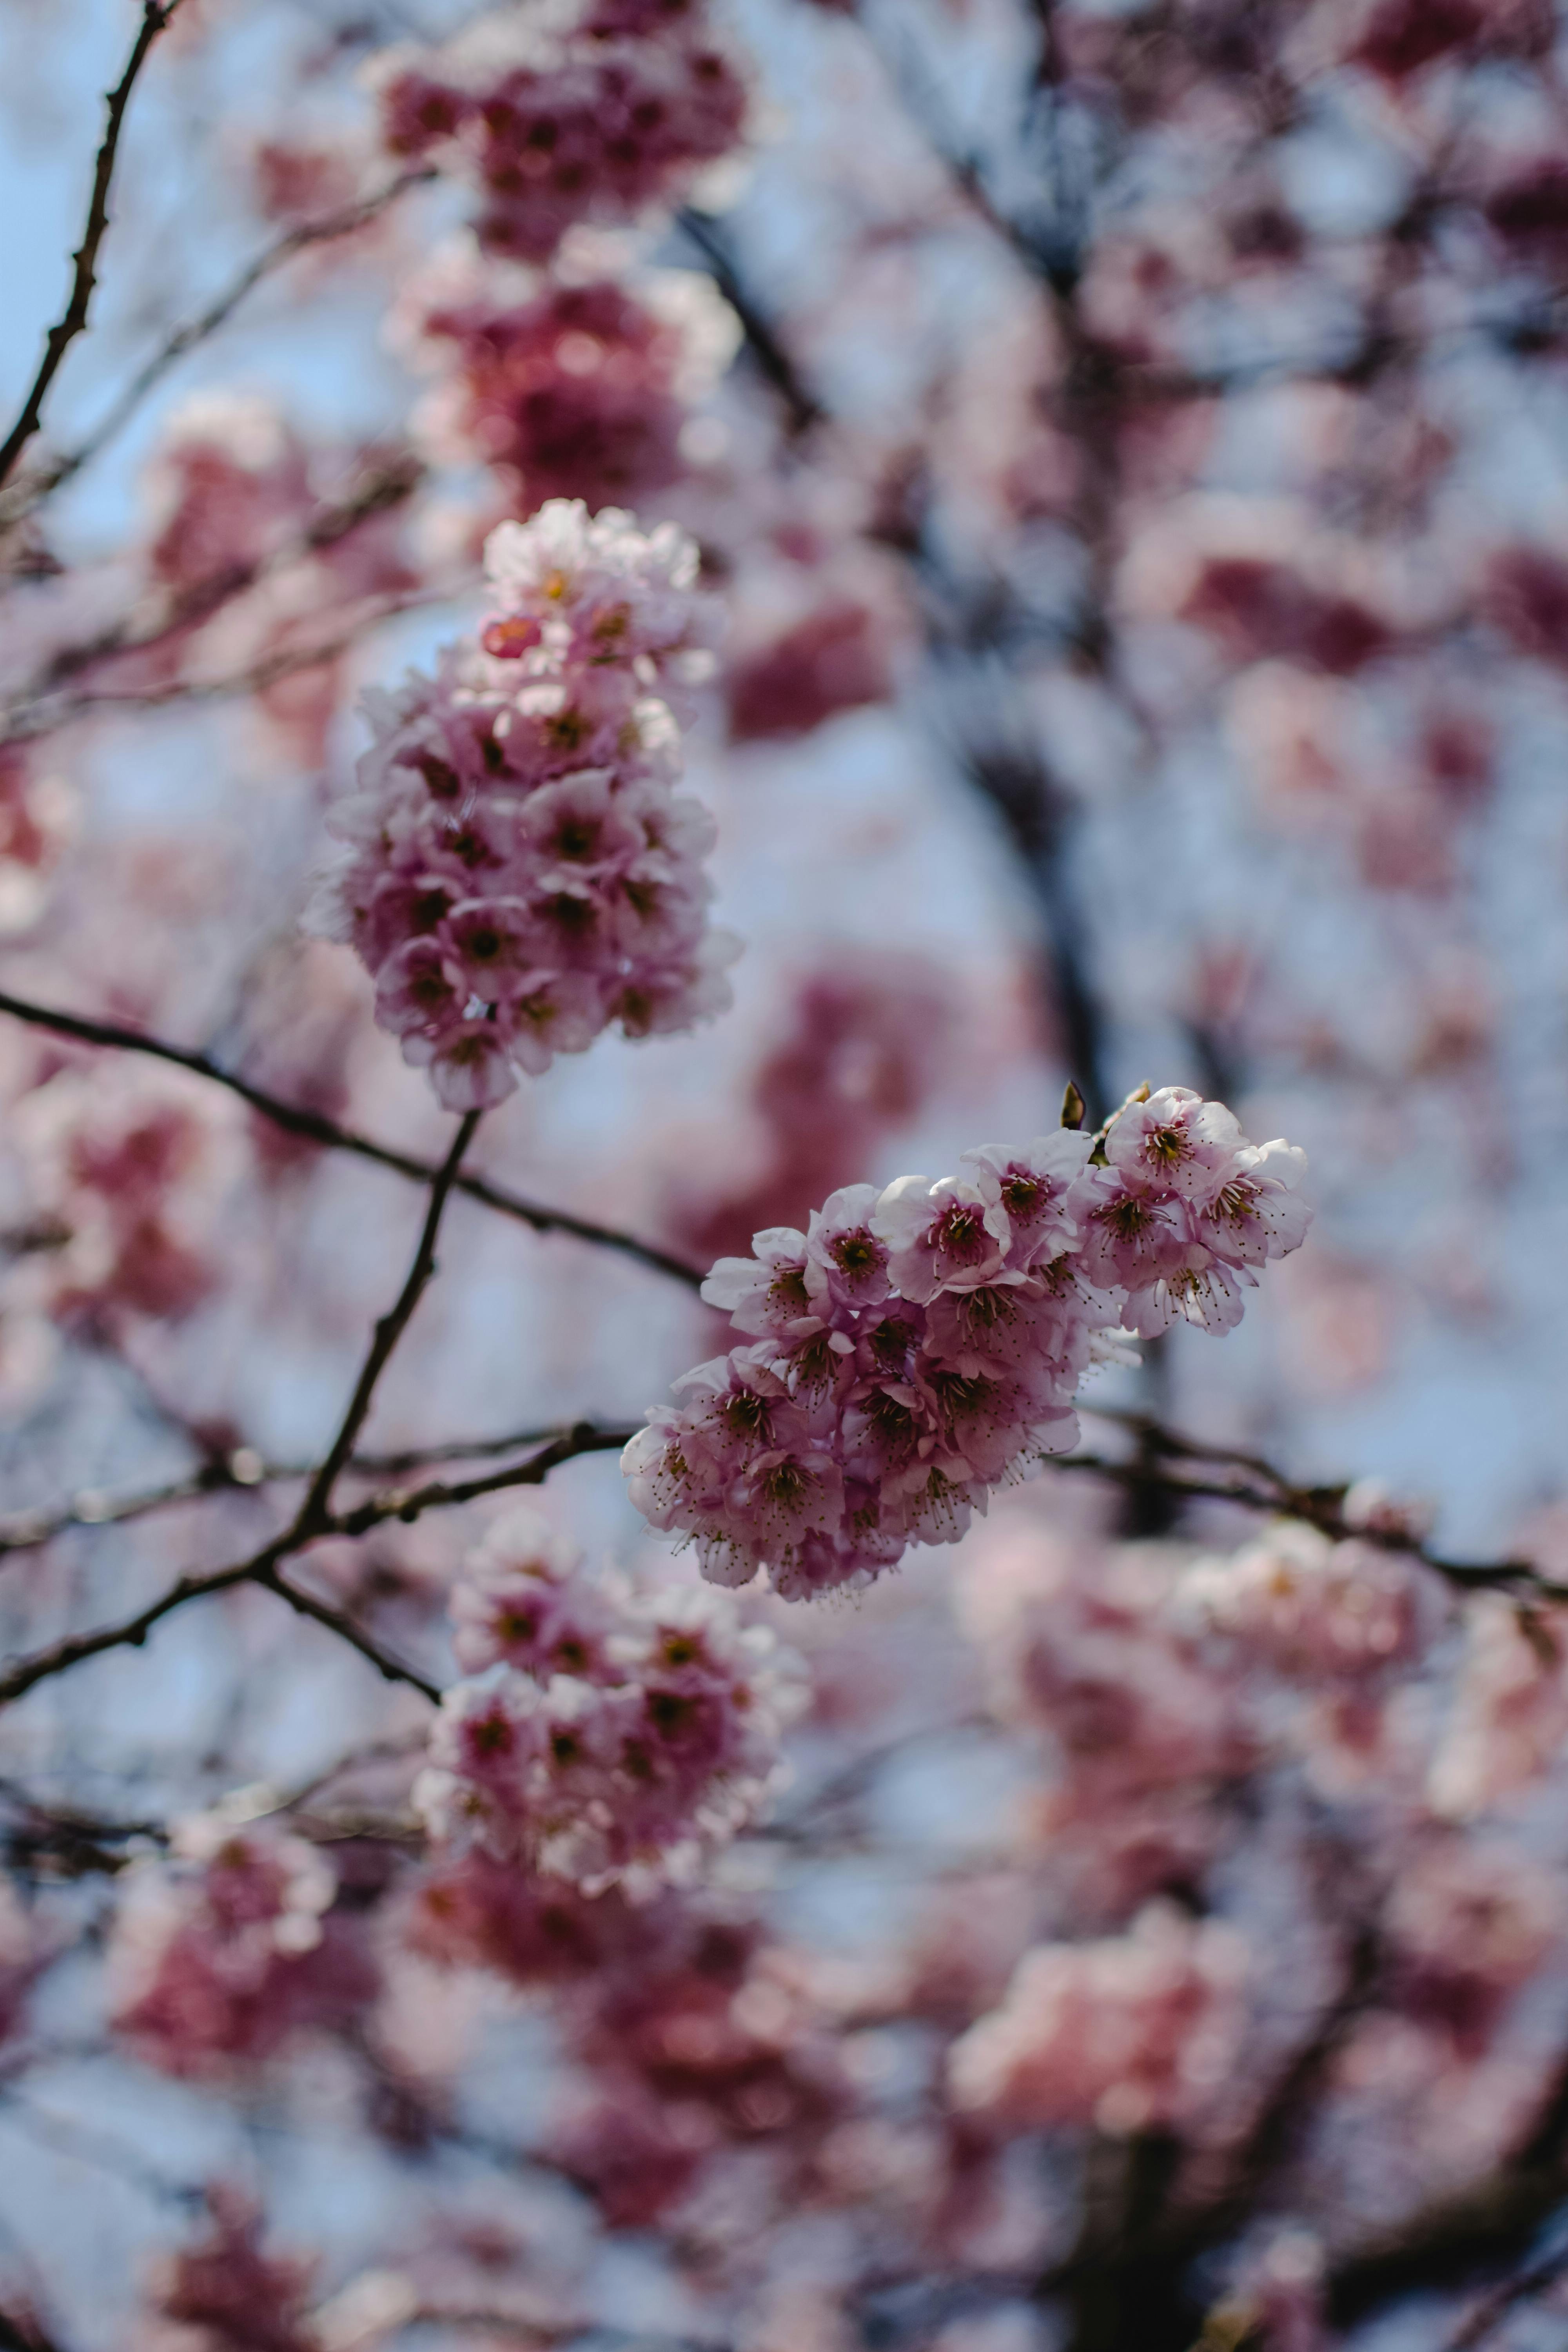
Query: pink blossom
(224, 2291)
(217, 1957)
(522, 1601)
(1510, 1720)
(769, 1292)
(1135, 2033)
(572, 394)
(848, 1262)
(137, 1162)
(642, 1730)
(517, 871)
(1317, 1610)
(1040, 1190)
(1469, 1922)
(575, 115)
(1176, 1142)
(943, 1236)
(923, 1353)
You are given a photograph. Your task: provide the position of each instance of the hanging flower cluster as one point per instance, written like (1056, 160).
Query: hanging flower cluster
(519, 871)
(607, 1734)
(921, 1345)
(223, 1951)
(564, 112)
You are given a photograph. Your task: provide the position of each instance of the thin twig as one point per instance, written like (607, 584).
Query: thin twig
(296, 1120)
(39, 704)
(241, 1473)
(1321, 1508)
(155, 14)
(337, 1621)
(398, 1502)
(49, 714)
(389, 1330)
(320, 231)
(411, 1503)
(131, 1631)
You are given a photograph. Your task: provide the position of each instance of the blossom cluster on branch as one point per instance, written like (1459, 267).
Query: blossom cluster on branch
(610, 1735)
(519, 871)
(579, 110)
(921, 1345)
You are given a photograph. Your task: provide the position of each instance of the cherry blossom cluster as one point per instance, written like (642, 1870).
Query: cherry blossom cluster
(584, 109)
(1132, 2032)
(38, 811)
(570, 386)
(921, 1345)
(519, 871)
(134, 1160)
(221, 1953)
(605, 1734)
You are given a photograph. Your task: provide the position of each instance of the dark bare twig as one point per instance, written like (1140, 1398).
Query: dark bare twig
(242, 1473)
(769, 352)
(411, 1503)
(1321, 1507)
(398, 1502)
(323, 230)
(48, 714)
(40, 705)
(389, 1330)
(131, 1631)
(155, 14)
(338, 1621)
(296, 1120)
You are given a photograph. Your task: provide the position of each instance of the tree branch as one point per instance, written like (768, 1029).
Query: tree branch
(296, 1120)
(1276, 1496)
(407, 1504)
(320, 231)
(32, 720)
(155, 14)
(241, 1471)
(388, 1331)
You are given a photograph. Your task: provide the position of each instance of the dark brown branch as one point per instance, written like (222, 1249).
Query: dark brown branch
(296, 1120)
(323, 230)
(399, 1503)
(155, 14)
(410, 1503)
(131, 1631)
(769, 353)
(1321, 1508)
(241, 1471)
(32, 720)
(389, 1330)
(337, 1621)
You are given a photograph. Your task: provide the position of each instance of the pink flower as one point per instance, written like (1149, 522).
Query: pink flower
(421, 990)
(1137, 2032)
(522, 1601)
(1316, 1610)
(1037, 1189)
(469, 1064)
(1176, 1142)
(848, 1261)
(925, 1349)
(219, 1956)
(769, 1292)
(943, 1236)
(517, 870)
(643, 1730)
